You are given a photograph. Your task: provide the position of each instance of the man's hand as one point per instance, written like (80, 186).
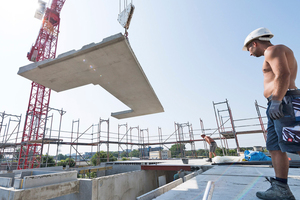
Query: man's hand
(275, 110)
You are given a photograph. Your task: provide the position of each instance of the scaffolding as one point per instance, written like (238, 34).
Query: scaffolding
(8, 144)
(144, 148)
(126, 138)
(225, 133)
(184, 133)
(121, 137)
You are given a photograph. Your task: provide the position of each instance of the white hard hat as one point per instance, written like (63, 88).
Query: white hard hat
(257, 34)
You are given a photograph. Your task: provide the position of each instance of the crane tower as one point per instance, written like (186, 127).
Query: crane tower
(36, 116)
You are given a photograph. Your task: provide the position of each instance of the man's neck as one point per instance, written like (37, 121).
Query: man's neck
(265, 47)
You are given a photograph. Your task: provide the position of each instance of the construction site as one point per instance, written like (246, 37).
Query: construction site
(98, 137)
(27, 141)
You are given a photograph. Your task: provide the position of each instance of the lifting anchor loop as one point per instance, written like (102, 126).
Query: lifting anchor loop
(126, 33)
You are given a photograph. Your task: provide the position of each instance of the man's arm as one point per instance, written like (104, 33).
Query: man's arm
(278, 62)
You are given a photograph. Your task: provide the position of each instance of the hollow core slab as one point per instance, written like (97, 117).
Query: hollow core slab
(110, 63)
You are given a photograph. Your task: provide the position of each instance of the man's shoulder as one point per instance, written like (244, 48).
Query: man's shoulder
(278, 47)
(275, 50)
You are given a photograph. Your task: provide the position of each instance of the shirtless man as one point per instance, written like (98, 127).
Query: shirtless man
(280, 71)
(212, 146)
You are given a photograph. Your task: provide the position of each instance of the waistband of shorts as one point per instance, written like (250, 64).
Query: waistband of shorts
(290, 92)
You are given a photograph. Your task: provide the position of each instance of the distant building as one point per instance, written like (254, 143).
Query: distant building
(156, 149)
(144, 152)
(164, 155)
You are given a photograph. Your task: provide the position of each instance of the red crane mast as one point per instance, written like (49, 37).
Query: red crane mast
(36, 116)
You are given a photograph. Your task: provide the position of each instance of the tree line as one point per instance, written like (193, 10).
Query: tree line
(177, 151)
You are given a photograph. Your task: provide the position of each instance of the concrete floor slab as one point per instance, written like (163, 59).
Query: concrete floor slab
(110, 63)
(231, 182)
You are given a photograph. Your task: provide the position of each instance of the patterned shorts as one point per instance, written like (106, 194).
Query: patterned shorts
(284, 133)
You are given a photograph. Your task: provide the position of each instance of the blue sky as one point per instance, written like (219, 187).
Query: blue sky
(191, 52)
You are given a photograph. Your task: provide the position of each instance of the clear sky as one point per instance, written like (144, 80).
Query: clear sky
(191, 52)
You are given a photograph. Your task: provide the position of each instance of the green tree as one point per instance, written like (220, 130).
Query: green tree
(202, 152)
(176, 150)
(101, 157)
(66, 162)
(115, 154)
(123, 154)
(62, 157)
(219, 152)
(49, 160)
(189, 153)
(232, 152)
(135, 153)
(92, 175)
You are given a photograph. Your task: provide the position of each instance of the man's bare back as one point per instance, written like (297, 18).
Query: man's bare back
(208, 139)
(280, 71)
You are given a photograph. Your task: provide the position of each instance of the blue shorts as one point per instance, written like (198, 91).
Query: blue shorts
(284, 133)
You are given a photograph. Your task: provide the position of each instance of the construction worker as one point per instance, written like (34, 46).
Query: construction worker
(212, 146)
(280, 71)
(178, 175)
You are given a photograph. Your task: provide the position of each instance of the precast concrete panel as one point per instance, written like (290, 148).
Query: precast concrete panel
(111, 64)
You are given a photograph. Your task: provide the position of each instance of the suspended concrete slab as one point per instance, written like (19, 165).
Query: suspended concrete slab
(110, 63)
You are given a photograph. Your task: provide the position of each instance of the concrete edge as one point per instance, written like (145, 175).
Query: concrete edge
(48, 179)
(115, 114)
(69, 54)
(165, 188)
(86, 48)
(114, 175)
(159, 191)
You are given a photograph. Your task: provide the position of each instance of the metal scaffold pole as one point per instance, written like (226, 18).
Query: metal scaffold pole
(233, 128)
(260, 120)
(121, 138)
(61, 112)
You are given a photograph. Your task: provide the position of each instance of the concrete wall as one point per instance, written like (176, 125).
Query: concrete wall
(117, 169)
(6, 182)
(165, 188)
(120, 186)
(87, 187)
(44, 192)
(159, 191)
(8, 175)
(127, 185)
(66, 186)
(45, 186)
(47, 179)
